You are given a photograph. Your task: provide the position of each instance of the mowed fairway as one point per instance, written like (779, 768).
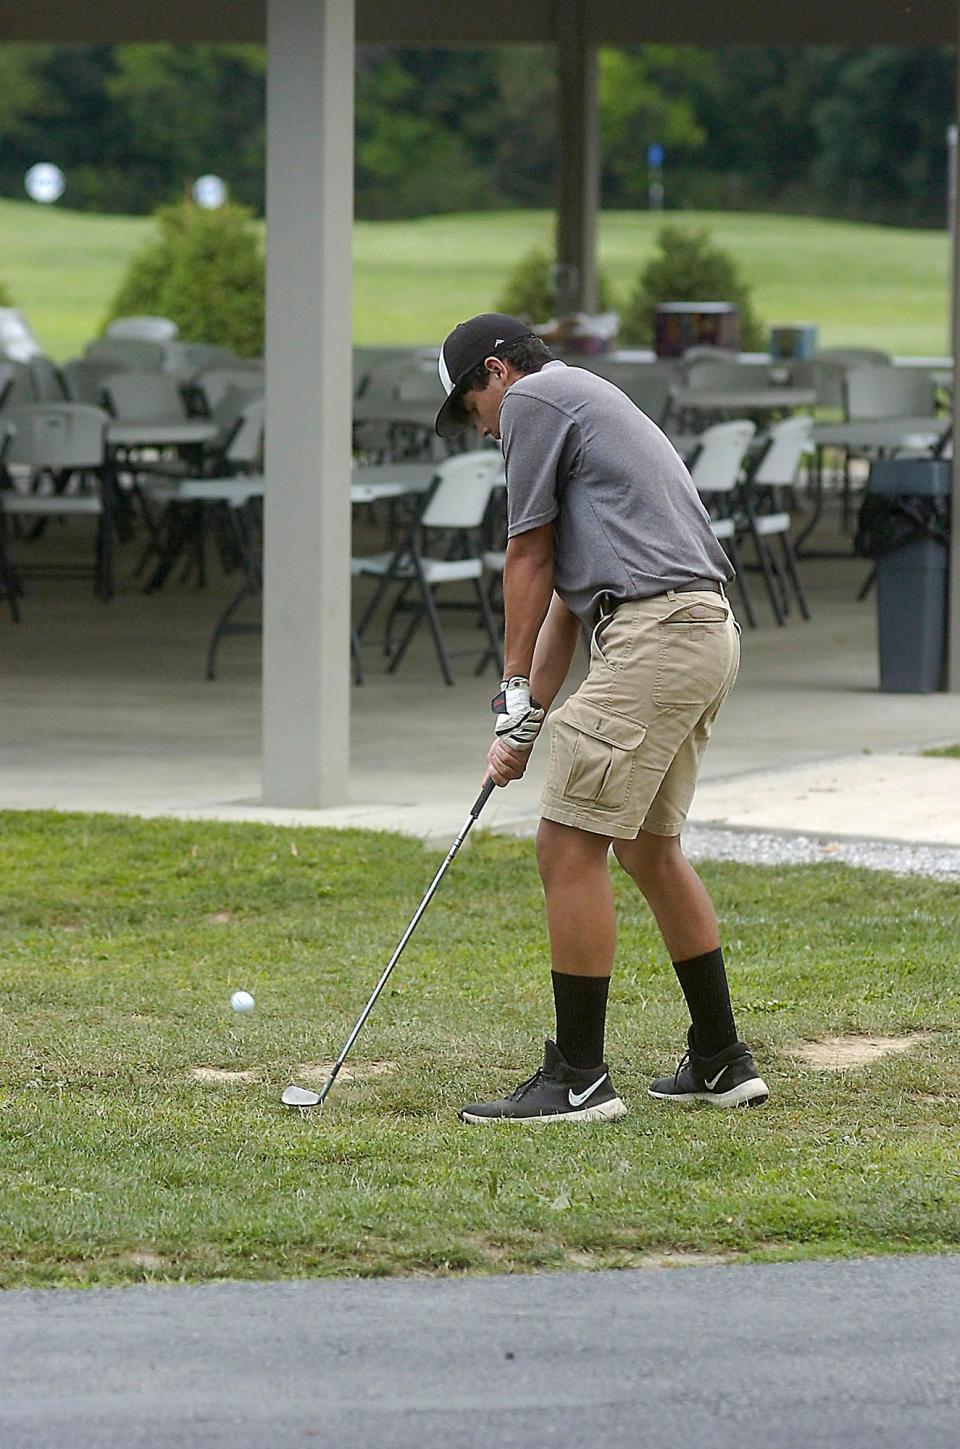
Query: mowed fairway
(864, 285)
(122, 940)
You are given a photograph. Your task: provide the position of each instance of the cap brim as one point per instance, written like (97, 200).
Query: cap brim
(452, 418)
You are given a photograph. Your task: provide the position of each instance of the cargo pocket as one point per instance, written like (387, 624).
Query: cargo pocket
(693, 656)
(595, 752)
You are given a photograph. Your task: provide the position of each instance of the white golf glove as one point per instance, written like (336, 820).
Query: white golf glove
(519, 718)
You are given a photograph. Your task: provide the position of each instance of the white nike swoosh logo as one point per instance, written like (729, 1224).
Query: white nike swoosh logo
(577, 1099)
(710, 1085)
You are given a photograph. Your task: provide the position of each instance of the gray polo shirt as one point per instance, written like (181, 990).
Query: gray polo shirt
(628, 521)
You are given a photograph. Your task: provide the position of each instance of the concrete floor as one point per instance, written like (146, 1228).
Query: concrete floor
(106, 708)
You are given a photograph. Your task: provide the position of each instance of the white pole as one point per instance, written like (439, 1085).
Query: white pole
(306, 611)
(953, 586)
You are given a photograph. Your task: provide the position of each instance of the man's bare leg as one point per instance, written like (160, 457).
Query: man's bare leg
(674, 892)
(579, 892)
(688, 923)
(574, 1083)
(583, 935)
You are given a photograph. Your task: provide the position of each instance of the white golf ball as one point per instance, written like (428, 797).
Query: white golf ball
(242, 1001)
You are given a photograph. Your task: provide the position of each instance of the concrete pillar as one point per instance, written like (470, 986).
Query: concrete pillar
(306, 608)
(953, 595)
(579, 170)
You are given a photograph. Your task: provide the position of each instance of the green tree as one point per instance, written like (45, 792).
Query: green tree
(522, 126)
(841, 132)
(528, 293)
(24, 97)
(188, 110)
(412, 154)
(641, 101)
(687, 267)
(880, 149)
(141, 292)
(205, 271)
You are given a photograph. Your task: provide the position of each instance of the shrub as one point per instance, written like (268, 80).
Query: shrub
(204, 271)
(148, 271)
(527, 292)
(687, 267)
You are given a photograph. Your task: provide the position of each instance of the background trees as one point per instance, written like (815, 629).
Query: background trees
(848, 133)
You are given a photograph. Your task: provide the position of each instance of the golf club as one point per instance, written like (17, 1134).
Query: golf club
(294, 1096)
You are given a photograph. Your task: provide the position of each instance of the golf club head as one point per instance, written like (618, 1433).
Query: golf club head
(299, 1097)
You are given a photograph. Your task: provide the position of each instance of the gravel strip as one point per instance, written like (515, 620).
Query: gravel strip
(754, 847)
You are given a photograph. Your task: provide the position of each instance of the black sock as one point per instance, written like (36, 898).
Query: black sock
(581, 1003)
(704, 984)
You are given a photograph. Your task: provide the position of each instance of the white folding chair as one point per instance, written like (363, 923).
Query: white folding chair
(855, 356)
(47, 383)
(888, 392)
(17, 342)
(716, 471)
(182, 529)
(730, 376)
(56, 444)
(455, 511)
(214, 383)
(125, 354)
(19, 389)
(82, 383)
(147, 329)
(875, 390)
(188, 359)
(144, 397)
(787, 443)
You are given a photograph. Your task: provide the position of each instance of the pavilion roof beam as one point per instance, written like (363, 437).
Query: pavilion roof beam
(463, 22)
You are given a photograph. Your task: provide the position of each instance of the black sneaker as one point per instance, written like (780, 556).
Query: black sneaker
(556, 1092)
(728, 1079)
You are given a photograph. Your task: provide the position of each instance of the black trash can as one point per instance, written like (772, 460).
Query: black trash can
(905, 527)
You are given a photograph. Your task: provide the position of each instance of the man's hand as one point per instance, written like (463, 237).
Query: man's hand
(504, 764)
(519, 718)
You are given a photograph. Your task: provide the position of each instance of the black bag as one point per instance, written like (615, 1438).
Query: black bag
(888, 522)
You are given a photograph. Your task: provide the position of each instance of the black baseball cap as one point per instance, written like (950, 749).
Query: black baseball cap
(465, 348)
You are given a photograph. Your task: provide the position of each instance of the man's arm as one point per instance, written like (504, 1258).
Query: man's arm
(527, 591)
(554, 652)
(541, 637)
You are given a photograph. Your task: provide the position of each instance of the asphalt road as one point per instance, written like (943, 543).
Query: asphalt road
(788, 1356)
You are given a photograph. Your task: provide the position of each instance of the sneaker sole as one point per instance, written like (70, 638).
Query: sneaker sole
(610, 1111)
(748, 1094)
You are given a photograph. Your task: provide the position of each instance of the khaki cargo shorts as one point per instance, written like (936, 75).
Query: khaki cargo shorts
(625, 749)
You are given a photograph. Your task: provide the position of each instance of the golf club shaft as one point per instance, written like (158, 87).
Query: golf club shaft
(481, 800)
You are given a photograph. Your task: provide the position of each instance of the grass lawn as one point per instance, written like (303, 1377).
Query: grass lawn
(121, 943)
(866, 285)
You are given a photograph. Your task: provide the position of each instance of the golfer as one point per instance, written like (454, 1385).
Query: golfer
(606, 532)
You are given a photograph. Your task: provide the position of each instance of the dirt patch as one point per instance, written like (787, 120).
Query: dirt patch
(838, 1053)
(143, 1258)
(220, 1074)
(219, 918)
(357, 1071)
(628, 1258)
(684, 1260)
